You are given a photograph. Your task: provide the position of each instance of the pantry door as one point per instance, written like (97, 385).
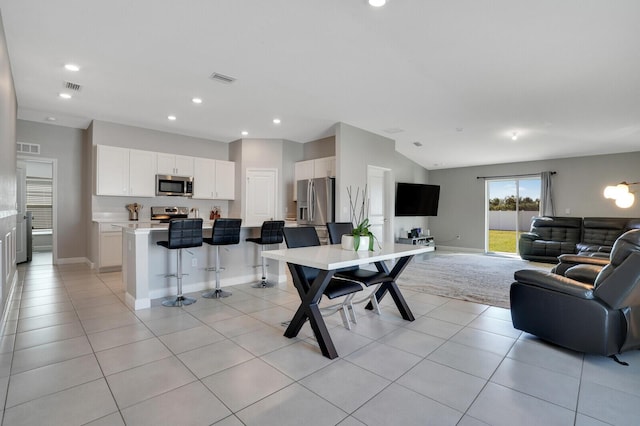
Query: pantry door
(261, 196)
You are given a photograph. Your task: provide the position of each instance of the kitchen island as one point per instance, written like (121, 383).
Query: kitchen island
(145, 264)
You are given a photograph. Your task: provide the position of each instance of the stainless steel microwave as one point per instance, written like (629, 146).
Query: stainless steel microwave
(180, 186)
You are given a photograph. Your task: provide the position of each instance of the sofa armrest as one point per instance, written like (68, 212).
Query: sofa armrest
(554, 282)
(531, 236)
(576, 259)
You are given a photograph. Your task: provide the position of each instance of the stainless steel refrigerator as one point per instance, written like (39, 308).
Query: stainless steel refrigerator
(316, 201)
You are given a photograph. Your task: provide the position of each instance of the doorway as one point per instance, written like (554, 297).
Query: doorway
(261, 196)
(379, 187)
(511, 203)
(35, 234)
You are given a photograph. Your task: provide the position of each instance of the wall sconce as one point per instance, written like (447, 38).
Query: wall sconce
(620, 192)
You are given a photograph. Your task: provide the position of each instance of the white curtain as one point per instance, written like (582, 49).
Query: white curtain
(546, 195)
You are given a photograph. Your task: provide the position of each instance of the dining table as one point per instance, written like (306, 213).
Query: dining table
(328, 259)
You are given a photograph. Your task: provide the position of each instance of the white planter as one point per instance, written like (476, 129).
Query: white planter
(347, 243)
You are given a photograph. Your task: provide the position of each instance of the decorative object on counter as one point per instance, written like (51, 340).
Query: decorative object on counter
(133, 210)
(215, 213)
(361, 237)
(194, 213)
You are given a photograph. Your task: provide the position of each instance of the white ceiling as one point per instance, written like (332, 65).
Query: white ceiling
(458, 76)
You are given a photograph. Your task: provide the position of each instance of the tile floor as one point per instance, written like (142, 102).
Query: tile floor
(72, 353)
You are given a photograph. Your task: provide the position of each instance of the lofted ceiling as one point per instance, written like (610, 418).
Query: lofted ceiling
(458, 77)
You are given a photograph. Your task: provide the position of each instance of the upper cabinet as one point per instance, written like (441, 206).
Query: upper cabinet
(179, 165)
(213, 179)
(324, 167)
(122, 171)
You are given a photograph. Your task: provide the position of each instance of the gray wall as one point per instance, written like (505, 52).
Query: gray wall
(578, 187)
(355, 150)
(8, 113)
(325, 147)
(66, 145)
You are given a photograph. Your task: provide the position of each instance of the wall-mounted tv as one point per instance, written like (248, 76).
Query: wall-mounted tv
(416, 199)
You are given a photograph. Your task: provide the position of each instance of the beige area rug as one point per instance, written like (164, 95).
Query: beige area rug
(468, 276)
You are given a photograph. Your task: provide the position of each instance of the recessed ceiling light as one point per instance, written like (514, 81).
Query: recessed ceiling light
(377, 3)
(71, 67)
(245, 133)
(64, 95)
(276, 121)
(51, 118)
(196, 100)
(171, 117)
(514, 136)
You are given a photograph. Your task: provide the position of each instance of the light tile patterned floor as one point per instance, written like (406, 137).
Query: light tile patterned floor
(72, 353)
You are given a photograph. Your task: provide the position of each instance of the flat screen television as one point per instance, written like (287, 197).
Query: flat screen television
(416, 199)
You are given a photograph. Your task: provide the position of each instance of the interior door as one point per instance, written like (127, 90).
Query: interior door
(21, 220)
(261, 196)
(378, 202)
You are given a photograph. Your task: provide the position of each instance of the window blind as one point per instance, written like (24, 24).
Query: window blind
(40, 202)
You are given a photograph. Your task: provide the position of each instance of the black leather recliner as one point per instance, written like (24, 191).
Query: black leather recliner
(603, 318)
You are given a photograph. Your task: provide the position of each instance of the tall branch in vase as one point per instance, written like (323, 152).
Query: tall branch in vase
(359, 211)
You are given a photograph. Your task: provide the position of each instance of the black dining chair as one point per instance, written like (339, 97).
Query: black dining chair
(307, 236)
(183, 233)
(367, 277)
(270, 233)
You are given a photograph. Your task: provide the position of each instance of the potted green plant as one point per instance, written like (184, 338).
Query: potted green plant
(361, 237)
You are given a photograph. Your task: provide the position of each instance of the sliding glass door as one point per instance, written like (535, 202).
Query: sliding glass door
(511, 203)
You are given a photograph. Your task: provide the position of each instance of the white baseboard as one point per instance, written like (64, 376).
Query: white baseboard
(73, 260)
(136, 304)
(459, 249)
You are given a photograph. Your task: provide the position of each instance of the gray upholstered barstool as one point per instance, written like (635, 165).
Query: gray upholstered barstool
(270, 233)
(183, 233)
(224, 232)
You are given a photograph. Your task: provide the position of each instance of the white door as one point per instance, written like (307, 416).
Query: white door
(21, 225)
(262, 196)
(378, 203)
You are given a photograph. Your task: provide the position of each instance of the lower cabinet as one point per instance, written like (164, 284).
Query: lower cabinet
(109, 247)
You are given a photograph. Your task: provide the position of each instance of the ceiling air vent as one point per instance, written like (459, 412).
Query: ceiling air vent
(72, 86)
(221, 78)
(28, 148)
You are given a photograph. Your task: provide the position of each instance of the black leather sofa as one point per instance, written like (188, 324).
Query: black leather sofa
(601, 318)
(552, 236)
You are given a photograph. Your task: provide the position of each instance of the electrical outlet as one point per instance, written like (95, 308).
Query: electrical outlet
(194, 262)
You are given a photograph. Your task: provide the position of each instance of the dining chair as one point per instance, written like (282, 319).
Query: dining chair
(367, 277)
(305, 237)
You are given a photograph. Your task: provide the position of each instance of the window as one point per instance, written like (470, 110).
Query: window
(40, 201)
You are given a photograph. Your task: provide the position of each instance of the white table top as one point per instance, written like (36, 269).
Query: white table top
(332, 257)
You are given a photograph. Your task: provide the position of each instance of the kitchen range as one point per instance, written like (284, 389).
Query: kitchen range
(165, 214)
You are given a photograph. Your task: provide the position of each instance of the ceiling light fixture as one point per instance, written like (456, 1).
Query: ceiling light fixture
(51, 118)
(276, 121)
(514, 136)
(377, 3)
(245, 133)
(172, 117)
(64, 95)
(620, 192)
(71, 67)
(196, 100)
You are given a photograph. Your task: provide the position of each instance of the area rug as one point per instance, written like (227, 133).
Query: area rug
(474, 277)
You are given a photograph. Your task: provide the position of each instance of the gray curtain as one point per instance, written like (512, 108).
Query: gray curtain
(546, 195)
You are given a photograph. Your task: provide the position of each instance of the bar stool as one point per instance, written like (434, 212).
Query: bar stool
(368, 278)
(270, 233)
(224, 232)
(183, 233)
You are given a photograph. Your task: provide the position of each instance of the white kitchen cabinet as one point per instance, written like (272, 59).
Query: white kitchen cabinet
(112, 170)
(225, 180)
(142, 166)
(213, 179)
(109, 246)
(179, 165)
(125, 172)
(324, 167)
